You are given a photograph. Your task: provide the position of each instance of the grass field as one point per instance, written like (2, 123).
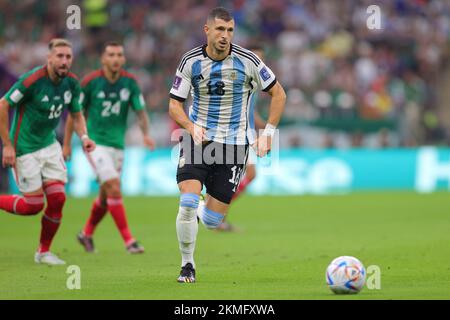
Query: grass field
(282, 253)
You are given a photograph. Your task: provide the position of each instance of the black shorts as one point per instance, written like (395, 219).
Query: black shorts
(218, 166)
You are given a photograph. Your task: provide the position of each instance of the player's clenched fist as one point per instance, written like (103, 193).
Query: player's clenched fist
(67, 152)
(9, 156)
(88, 144)
(149, 142)
(263, 145)
(198, 134)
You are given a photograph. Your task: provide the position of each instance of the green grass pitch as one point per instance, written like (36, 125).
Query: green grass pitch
(282, 253)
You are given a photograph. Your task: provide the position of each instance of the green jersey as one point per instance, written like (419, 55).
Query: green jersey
(107, 104)
(39, 103)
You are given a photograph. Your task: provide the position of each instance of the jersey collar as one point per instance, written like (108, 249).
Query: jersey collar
(205, 54)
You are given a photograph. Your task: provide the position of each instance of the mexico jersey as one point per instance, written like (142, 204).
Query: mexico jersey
(221, 91)
(40, 103)
(107, 104)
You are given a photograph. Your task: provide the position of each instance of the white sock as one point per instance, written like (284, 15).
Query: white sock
(187, 228)
(201, 207)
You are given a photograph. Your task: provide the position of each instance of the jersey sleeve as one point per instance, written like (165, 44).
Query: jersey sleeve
(181, 84)
(137, 100)
(17, 94)
(264, 77)
(75, 103)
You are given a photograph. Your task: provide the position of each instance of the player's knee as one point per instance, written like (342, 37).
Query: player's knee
(56, 196)
(34, 209)
(101, 201)
(113, 189)
(58, 200)
(188, 206)
(190, 186)
(251, 173)
(211, 219)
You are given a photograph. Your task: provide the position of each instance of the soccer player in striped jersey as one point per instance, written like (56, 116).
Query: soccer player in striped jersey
(256, 122)
(31, 149)
(221, 77)
(109, 94)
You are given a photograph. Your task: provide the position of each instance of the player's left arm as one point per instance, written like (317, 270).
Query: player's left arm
(276, 105)
(144, 125)
(79, 126)
(138, 105)
(264, 142)
(67, 144)
(83, 101)
(260, 123)
(267, 82)
(78, 120)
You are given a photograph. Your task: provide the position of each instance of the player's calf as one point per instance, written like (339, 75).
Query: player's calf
(187, 227)
(98, 211)
(56, 197)
(112, 188)
(187, 215)
(22, 205)
(210, 218)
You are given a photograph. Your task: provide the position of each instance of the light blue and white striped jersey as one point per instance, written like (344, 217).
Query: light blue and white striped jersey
(221, 91)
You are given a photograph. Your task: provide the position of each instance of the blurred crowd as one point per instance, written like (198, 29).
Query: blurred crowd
(347, 85)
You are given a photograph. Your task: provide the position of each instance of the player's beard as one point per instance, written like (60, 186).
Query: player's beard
(61, 73)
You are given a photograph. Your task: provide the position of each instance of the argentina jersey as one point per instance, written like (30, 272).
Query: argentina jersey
(221, 91)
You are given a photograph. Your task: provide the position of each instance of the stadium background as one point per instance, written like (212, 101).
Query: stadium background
(348, 87)
(366, 110)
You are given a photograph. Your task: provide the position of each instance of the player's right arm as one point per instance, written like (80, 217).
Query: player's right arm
(16, 96)
(176, 112)
(9, 154)
(178, 94)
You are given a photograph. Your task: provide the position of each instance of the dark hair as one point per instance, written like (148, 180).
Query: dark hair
(111, 44)
(220, 13)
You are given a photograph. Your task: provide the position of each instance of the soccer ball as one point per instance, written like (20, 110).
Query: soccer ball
(345, 275)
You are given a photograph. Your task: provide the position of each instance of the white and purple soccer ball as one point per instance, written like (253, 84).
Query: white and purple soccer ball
(346, 275)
